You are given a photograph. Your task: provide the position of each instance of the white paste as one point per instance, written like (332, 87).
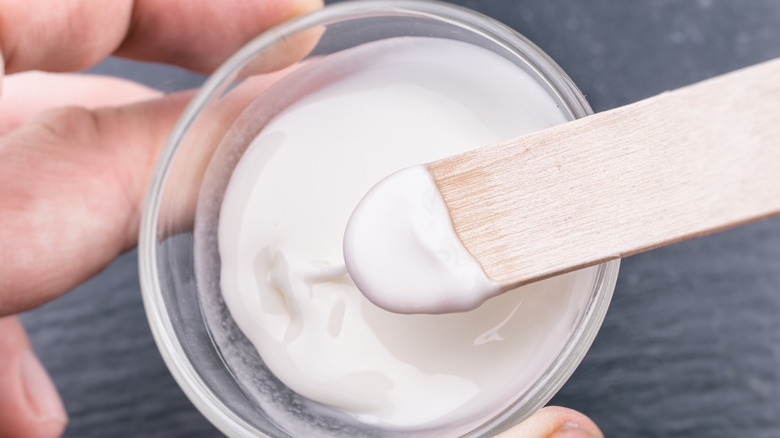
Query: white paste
(399, 103)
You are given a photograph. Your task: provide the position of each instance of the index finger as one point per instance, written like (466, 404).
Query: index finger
(69, 35)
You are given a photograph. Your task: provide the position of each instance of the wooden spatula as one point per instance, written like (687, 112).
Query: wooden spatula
(681, 164)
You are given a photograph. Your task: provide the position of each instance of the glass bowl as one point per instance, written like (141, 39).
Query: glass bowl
(212, 361)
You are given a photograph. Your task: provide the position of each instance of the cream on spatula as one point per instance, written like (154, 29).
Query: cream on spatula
(446, 236)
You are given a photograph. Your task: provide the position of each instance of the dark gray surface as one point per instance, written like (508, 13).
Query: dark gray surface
(691, 344)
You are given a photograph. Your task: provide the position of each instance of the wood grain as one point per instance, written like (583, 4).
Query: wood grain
(681, 164)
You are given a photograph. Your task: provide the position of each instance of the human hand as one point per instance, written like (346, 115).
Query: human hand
(72, 178)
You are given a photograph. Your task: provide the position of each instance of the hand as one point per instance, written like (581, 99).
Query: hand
(72, 178)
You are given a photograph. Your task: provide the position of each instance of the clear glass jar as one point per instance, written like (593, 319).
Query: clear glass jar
(186, 321)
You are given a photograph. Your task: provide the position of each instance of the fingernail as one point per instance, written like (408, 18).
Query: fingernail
(572, 430)
(42, 396)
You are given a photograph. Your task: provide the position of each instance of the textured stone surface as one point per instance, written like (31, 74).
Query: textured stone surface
(691, 344)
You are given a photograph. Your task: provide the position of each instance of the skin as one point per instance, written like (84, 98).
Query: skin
(76, 153)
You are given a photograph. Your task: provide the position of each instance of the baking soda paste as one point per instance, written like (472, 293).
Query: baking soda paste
(390, 105)
(401, 249)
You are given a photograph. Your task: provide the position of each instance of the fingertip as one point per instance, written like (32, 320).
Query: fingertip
(30, 406)
(573, 430)
(569, 418)
(555, 422)
(42, 398)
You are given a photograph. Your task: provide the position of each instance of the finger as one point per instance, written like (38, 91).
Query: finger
(555, 422)
(72, 182)
(27, 94)
(29, 404)
(202, 34)
(57, 35)
(61, 35)
(285, 53)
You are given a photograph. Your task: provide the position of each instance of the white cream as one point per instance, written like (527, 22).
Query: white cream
(394, 104)
(403, 254)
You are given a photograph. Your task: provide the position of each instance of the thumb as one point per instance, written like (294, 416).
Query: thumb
(72, 182)
(29, 404)
(555, 422)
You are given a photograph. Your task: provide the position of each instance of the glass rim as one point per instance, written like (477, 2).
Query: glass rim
(171, 350)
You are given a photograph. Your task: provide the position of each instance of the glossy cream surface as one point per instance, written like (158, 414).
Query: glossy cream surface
(390, 105)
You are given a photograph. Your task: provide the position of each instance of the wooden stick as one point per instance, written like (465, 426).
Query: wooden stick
(678, 165)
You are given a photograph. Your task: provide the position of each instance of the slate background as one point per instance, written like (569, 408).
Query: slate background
(691, 344)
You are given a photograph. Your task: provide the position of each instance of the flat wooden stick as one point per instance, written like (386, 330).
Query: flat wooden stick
(681, 164)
